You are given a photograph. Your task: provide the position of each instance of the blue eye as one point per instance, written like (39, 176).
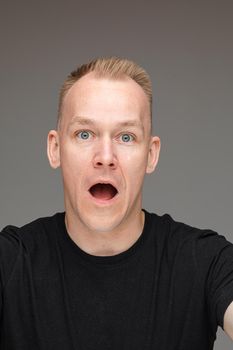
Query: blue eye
(84, 135)
(127, 138)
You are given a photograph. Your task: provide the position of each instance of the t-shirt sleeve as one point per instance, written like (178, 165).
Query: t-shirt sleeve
(215, 265)
(9, 251)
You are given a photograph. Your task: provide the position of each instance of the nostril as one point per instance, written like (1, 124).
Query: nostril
(112, 165)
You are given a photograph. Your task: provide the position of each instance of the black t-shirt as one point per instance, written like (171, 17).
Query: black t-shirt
(169, 291)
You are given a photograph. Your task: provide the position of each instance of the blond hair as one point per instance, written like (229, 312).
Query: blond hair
(113, 68)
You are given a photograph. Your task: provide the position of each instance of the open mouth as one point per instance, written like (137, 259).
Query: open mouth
(103, 191)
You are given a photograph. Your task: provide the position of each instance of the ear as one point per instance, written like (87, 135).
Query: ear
(53, 149)
(153, 155)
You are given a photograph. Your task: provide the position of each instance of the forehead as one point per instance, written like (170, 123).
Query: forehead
(106, 99)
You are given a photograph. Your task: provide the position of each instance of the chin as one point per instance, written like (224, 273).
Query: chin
(102, 222)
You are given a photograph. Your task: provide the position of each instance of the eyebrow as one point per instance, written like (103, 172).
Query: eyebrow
(88, 121)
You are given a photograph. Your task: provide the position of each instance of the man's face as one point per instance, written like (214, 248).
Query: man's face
(104, 148)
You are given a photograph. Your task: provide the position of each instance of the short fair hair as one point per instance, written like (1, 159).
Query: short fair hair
(110, 67)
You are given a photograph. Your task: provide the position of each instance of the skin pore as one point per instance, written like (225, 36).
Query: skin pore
(104, 137)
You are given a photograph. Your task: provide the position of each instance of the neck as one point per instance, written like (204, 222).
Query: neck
(105, 243)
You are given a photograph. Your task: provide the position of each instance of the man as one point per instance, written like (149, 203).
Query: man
(106, 274)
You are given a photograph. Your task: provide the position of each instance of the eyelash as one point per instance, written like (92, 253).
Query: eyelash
(83, 131)
(131, 136)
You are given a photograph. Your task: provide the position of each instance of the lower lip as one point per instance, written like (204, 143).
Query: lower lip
(103, 202)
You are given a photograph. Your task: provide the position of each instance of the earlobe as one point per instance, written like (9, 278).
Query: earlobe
(153, 155)
(53, 149)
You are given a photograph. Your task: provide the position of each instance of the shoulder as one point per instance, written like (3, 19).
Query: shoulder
(173, 228)
(201, 241)
(16, 242)
(13, 236)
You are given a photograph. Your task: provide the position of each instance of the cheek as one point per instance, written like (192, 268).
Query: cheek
(73, 157)
(136, 156)
(134, 163)
(73, 164)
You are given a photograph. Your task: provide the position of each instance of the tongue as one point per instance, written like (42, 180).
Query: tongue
(103, 191)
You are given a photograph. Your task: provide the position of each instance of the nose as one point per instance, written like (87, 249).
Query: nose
(104, 155)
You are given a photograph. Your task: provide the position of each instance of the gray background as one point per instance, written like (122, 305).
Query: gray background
(186, 46)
